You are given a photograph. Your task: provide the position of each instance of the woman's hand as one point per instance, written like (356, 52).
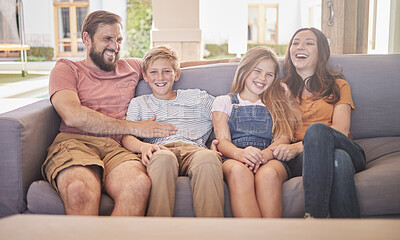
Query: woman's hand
(286, 152)
(147, 151)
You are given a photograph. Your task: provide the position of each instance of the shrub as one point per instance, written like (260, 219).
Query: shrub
(40, 53)
(138, 26)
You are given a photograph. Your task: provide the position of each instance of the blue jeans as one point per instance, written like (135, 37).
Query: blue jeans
(329, 161)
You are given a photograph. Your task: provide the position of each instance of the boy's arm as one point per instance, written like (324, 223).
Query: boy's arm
(146, 149)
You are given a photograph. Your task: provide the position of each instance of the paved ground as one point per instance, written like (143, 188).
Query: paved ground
(18, 94)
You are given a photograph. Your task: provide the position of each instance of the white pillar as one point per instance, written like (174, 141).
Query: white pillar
(176, 25)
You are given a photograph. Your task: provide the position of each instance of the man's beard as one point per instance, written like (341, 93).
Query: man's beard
(98, 59)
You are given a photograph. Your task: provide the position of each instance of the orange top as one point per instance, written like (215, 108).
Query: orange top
(321, 111)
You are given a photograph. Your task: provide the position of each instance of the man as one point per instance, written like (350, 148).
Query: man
(92, 97)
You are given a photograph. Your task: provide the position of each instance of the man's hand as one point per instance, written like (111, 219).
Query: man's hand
(150, 128)
(286, 152)
(147, 151)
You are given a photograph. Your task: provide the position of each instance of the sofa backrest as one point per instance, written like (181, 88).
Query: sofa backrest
(374, 81)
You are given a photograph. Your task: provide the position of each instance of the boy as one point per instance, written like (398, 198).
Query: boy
(183, 153)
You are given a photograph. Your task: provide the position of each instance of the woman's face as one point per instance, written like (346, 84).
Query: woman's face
(304, 53)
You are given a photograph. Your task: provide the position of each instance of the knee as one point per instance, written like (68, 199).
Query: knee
(207, 157)
(163, 159)
(238, 173)
(268, 176)
(342, 163)
(316, 132)
(79, 192)
(138, 183)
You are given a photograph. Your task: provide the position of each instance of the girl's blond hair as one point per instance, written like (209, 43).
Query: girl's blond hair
(284, 110)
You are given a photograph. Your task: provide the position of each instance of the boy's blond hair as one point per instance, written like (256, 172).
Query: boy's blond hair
(157, 53)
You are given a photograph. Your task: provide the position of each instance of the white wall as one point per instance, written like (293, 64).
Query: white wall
(220, 18)
(39, 23)
(382, 27)
(39, 18)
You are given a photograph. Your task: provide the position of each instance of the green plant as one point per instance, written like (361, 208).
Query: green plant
(40, 53)
(138, 26)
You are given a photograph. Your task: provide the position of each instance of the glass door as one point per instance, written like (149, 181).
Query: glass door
(69, 16)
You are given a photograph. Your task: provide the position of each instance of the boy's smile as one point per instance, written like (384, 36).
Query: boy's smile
(161, 77)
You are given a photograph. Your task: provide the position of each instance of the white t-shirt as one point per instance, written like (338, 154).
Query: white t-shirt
(190, 112)
(224, 104)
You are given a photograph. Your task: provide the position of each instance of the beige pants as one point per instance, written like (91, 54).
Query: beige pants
(204, 169)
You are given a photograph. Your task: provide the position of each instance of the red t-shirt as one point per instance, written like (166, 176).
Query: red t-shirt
(106, 92)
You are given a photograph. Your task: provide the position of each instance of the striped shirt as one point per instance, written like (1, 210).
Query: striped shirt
(190, 112)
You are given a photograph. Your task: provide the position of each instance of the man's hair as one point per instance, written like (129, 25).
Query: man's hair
(94, 19)
(157, 53)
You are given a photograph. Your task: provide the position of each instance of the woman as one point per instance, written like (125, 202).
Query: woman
(326, 157)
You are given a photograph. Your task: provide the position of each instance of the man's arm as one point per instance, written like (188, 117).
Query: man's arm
(68, 106)
(205, 62)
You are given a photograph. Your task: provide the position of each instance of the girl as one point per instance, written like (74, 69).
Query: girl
(329, 157)
(257, 115)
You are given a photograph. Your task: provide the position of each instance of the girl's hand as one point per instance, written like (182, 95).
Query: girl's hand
(286, 152)
(251, 156)
(214, 147)
(148, 150)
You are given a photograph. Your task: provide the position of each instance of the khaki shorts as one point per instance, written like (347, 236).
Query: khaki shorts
(70, 149)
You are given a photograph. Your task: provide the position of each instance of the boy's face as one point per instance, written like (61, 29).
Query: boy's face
(161, 77)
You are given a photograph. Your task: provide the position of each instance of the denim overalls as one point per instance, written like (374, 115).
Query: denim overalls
(250, 125)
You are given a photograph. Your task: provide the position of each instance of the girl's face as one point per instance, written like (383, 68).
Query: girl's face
(260, 78)
(304, 53)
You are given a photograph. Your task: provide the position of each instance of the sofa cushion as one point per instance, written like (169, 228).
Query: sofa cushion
(43, 199)
(375, 90)
(378, 186)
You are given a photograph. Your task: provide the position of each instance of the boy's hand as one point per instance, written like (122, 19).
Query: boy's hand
(148, 150)
(150, 128)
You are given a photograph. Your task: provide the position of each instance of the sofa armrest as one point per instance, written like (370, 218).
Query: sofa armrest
(25, 135)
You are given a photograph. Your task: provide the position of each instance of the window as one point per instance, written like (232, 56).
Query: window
(69, 16)
(262, 23)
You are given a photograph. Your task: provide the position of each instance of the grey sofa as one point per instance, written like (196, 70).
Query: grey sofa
(26, 133)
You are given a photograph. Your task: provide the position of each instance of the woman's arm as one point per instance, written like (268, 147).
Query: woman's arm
(268, 153)
(341, 118)
(286, 152)
(249, 155)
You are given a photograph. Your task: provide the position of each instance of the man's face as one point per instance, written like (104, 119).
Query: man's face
(105, 46)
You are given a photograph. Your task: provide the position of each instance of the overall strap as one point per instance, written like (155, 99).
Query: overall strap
(234, 98)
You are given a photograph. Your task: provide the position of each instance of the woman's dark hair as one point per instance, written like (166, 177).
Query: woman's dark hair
(322, 84)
